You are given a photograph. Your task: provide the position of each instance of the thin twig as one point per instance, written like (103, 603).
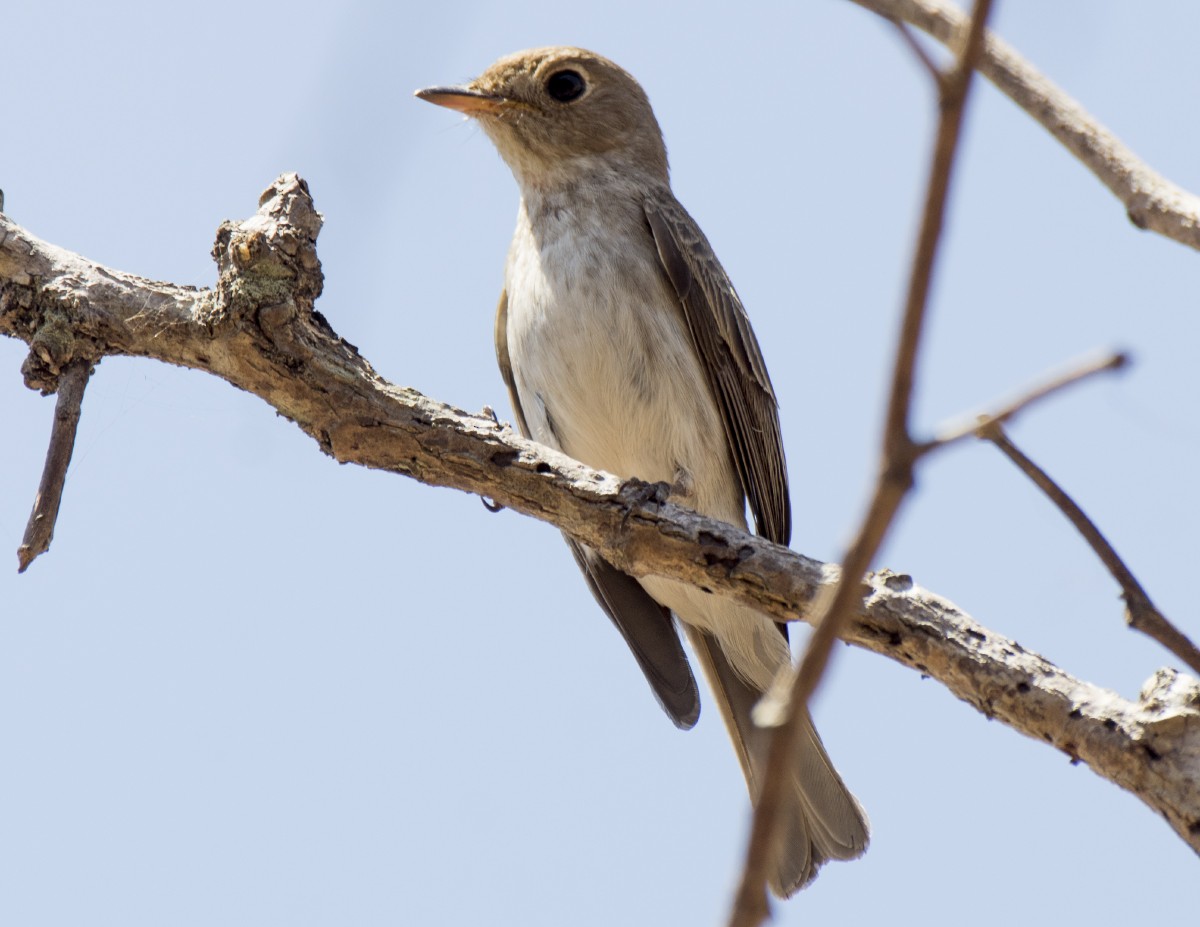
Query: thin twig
(39, 532)
(751, 907)
(973, 427)
(774, 705)
(1150, 200)
(953, 88)
(1140, 613)
(922, 54)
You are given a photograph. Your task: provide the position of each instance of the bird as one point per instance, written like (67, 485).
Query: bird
(624, 345)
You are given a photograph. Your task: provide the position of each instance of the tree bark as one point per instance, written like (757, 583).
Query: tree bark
(257, 330)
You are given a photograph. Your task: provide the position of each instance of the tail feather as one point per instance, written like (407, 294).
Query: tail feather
(824, 821)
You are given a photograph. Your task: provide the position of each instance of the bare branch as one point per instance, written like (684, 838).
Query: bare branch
(920, 52)
(953, 89)
(1081, 370)
(1140, 613)
(900, 453)
(1006, 682)
(39, 532)
(1151, 201)
(257, 331)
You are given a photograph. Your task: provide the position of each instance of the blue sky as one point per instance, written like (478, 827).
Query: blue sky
(249, 686)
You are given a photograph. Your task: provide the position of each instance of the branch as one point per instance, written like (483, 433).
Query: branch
(1141, 614)
(1151, 201)
(923, 56)
(1006, 682)
(1073, 374)
(900, 454)
(39, 532)
(257, 330)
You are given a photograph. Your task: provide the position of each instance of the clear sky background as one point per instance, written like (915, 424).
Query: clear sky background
(249, 686)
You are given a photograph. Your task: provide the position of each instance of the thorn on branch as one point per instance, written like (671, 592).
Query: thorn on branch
(39, 532)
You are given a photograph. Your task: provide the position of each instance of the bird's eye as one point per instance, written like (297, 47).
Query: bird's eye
(565, 86)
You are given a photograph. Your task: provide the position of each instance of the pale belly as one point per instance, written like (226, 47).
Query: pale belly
(606, 372)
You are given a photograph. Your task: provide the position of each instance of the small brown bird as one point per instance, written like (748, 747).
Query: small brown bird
(624, 345)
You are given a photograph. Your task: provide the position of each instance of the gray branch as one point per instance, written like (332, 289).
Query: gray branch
(258, 331)
(1151, 201)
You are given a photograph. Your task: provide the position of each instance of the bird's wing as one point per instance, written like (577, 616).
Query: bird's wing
(649, 633)
(732, 361)
(645, 625)
(505, 363)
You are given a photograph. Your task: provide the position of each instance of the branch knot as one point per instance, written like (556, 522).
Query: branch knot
(270, 259)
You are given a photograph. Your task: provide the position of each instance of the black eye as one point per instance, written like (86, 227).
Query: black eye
(565, 86)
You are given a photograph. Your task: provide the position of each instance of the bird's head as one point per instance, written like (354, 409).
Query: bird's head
(558, 113)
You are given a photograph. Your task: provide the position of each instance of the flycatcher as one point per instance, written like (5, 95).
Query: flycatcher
(623, 344)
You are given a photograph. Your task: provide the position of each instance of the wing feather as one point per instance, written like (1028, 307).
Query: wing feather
(732, 361)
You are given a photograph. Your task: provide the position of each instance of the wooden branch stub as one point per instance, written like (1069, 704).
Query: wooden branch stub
(39, 532)
(268, 263)
(52, 348)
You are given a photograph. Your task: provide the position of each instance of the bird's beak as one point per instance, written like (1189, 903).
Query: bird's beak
(464, 99)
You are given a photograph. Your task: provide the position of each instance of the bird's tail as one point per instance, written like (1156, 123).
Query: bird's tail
(823, 820)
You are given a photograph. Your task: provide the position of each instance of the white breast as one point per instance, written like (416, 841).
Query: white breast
(604, 365)
(606, 371)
